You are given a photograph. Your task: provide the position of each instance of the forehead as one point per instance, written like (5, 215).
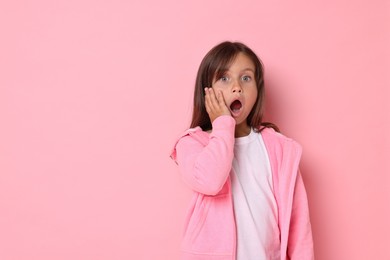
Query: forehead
(241, 62)
(234, 64)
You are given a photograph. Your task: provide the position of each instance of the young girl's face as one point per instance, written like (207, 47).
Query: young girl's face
(239, 89)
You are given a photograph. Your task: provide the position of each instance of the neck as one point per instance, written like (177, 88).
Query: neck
(242, 130)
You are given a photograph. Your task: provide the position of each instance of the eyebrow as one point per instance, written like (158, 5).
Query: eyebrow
(221, 72)
(248, 69)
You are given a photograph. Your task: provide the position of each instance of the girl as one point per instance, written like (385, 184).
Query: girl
(249, 199)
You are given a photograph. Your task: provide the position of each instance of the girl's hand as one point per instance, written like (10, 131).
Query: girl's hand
(215, 104)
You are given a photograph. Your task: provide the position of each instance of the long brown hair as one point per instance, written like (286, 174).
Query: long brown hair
(217, 61)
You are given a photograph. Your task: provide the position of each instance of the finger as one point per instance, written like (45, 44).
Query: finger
(207, 100)
(213, 98)
(221, 99)
(222, 104)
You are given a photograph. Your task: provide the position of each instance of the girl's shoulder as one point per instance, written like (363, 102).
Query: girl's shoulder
(273, 138)
(223, 126)
(195, 133)
(271, 133)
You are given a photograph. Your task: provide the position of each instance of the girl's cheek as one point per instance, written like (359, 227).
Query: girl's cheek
(217, 86)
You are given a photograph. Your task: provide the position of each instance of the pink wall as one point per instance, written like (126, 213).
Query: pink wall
(94, 93)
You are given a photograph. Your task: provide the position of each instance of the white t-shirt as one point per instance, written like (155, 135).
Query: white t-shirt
(254, 202)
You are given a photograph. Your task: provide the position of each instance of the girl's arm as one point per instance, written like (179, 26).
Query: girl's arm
(206, 166)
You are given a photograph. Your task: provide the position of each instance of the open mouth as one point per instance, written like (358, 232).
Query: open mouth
(236, 106)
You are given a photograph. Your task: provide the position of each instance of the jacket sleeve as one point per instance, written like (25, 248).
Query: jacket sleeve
(206, 166)
(300, 241)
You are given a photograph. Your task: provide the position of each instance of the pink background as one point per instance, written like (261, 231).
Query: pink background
(94, 93)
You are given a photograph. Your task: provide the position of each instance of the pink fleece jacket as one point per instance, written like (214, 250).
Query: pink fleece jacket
(205, 161)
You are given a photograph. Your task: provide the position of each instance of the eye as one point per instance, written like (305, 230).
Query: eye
(224, 79)
(246, 78)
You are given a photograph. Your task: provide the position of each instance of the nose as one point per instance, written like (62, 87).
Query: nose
(236, 87)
